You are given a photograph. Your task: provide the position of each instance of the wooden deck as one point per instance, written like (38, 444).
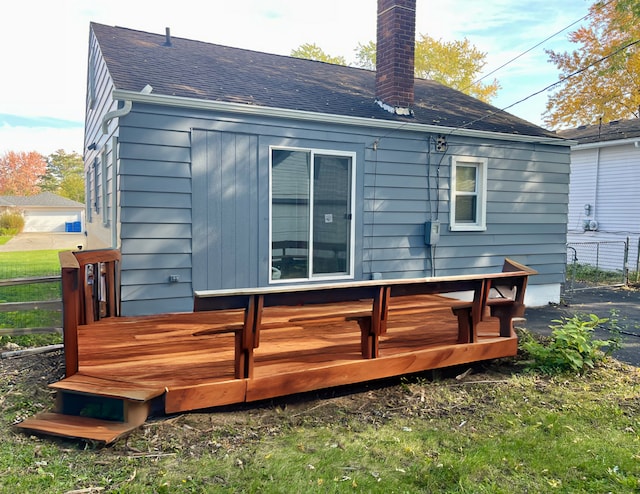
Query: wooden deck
(265, 347)
(173, 354)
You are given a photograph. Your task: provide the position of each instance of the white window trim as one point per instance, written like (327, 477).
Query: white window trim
(103, 187)
(482, 166)
(88, 194)
(327, 152)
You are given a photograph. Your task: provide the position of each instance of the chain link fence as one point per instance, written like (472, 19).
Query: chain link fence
(599, 263)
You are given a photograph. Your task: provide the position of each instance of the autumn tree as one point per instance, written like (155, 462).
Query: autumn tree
(65, 175)
(21, 172)
(456, 64)
(311, 51)
(600, 79)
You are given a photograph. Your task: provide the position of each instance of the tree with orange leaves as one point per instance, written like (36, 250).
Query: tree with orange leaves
(601, 79)
(21, 173)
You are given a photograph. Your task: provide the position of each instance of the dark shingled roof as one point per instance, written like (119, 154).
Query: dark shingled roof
(194, 69)
(613, 131)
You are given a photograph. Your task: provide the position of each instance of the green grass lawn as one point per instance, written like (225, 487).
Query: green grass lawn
(28, 264)
(497, 430)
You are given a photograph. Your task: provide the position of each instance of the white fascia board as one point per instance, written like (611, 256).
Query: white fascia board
(241, 108)
(605, 144)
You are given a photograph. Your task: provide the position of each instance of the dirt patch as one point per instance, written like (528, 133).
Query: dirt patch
(230, 428)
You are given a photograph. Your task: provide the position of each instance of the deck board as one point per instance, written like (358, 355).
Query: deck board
(197, 370)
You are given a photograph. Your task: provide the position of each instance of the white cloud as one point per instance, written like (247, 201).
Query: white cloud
(44, 140)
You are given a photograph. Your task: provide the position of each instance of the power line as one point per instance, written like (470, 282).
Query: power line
(532, 48)
(563, 79)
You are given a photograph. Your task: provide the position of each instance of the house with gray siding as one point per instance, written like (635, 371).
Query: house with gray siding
(212, 167)
(603, 195)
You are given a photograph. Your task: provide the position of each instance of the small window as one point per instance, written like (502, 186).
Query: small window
(468, 193)
(92, 80)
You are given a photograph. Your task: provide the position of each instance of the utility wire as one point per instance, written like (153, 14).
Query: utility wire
(530, 49)
(563, 79)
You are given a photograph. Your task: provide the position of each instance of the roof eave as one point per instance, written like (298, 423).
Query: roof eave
(605, 144)
(241, 108)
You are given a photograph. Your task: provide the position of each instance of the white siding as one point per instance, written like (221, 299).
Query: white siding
(608, 179)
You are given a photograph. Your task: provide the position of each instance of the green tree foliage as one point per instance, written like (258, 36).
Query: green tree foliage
(311, 51)
(601, 77)
(456, 64)
(65, 175)
(366, 56)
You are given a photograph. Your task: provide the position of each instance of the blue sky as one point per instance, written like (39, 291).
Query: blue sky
(44, 47)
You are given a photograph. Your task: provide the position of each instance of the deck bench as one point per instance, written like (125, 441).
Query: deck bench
(370, 304)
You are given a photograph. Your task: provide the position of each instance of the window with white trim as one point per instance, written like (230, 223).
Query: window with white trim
(468, 209)
(311, 214)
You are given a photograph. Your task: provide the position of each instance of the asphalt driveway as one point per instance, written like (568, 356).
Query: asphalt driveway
(44, 241)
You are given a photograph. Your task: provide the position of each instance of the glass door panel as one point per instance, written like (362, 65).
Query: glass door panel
(331, 215)
(290, 219)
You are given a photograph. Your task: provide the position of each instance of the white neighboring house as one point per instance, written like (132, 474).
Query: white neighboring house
(604, 193)
(46, 212)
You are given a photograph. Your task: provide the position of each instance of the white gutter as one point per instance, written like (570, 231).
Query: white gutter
(223, 106)
(606, 144)
(121, 112)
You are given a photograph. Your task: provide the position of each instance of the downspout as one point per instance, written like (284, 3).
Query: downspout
(114, 192)
(121, 112)
(597, 185)
(106, 119)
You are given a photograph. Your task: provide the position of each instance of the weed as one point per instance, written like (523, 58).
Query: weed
(571, 347)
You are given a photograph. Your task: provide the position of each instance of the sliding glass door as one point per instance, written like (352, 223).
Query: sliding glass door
(311, 214)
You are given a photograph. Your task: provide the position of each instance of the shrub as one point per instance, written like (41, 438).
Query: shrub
(571, 347)
(11, 223)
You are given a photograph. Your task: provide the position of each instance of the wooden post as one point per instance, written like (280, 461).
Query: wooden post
(70, 310)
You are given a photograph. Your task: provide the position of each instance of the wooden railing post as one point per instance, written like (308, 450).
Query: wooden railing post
(70, 270)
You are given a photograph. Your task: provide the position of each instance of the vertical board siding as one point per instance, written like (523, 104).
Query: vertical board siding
(226, 201)
(211, 190)
(608, 179)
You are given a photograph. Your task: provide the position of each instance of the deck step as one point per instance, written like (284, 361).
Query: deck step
(96, 386)
(75, 427)
(95, 409)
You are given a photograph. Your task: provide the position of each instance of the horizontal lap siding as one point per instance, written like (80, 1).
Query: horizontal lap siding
(155, 217)
(98, 146)
(397, 192)
(527, 203)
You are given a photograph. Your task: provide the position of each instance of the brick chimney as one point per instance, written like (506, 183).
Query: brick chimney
(396, 41)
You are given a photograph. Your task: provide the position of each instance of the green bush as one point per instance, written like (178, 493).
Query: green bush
(571, 347)
(11, 223)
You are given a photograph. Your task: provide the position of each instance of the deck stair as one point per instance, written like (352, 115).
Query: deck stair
(94, 409)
